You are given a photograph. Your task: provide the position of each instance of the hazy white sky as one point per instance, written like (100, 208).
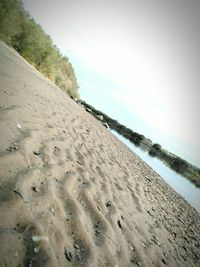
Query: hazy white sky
(138, 61)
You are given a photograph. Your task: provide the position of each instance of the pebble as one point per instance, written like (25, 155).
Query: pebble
(36, 250)
(108, 203)
(11, 148)
(36, 238)
(35, 189)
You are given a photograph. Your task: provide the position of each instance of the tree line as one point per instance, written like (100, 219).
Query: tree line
(173, 161)
(20, 31)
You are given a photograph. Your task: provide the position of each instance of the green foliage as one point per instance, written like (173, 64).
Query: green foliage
(157, 147)
(155, 150)
(179, 165)
(11, 13)
(152, 152)
(20, 31)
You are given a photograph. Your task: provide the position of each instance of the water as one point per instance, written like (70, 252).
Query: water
(179, 183)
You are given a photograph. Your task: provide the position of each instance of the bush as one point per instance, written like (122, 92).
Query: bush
(179, 165)
(155, 150)
(156, 147)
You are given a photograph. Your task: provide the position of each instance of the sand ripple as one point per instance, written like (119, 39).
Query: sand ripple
(71, 194)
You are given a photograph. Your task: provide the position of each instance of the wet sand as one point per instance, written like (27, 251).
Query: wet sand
(72, 194)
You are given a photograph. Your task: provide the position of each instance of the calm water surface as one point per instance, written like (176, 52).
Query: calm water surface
(179, 183)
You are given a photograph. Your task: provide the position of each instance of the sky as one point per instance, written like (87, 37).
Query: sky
(137, 61)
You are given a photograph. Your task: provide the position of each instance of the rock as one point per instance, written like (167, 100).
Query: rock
(36, 250)
(105, 124)
(108, 203)
(100, 117)
(37, 238)
(35, 189)
(88, 110)
(12, 148)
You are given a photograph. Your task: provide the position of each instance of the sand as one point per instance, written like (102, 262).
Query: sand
(71, 194)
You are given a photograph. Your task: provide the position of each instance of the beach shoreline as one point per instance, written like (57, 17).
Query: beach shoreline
(72, 194)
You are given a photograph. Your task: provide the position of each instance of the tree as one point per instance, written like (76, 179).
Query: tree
(19, 30)
(11, 14)
(179, 165)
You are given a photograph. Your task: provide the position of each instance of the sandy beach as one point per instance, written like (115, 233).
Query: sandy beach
(72, 194)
